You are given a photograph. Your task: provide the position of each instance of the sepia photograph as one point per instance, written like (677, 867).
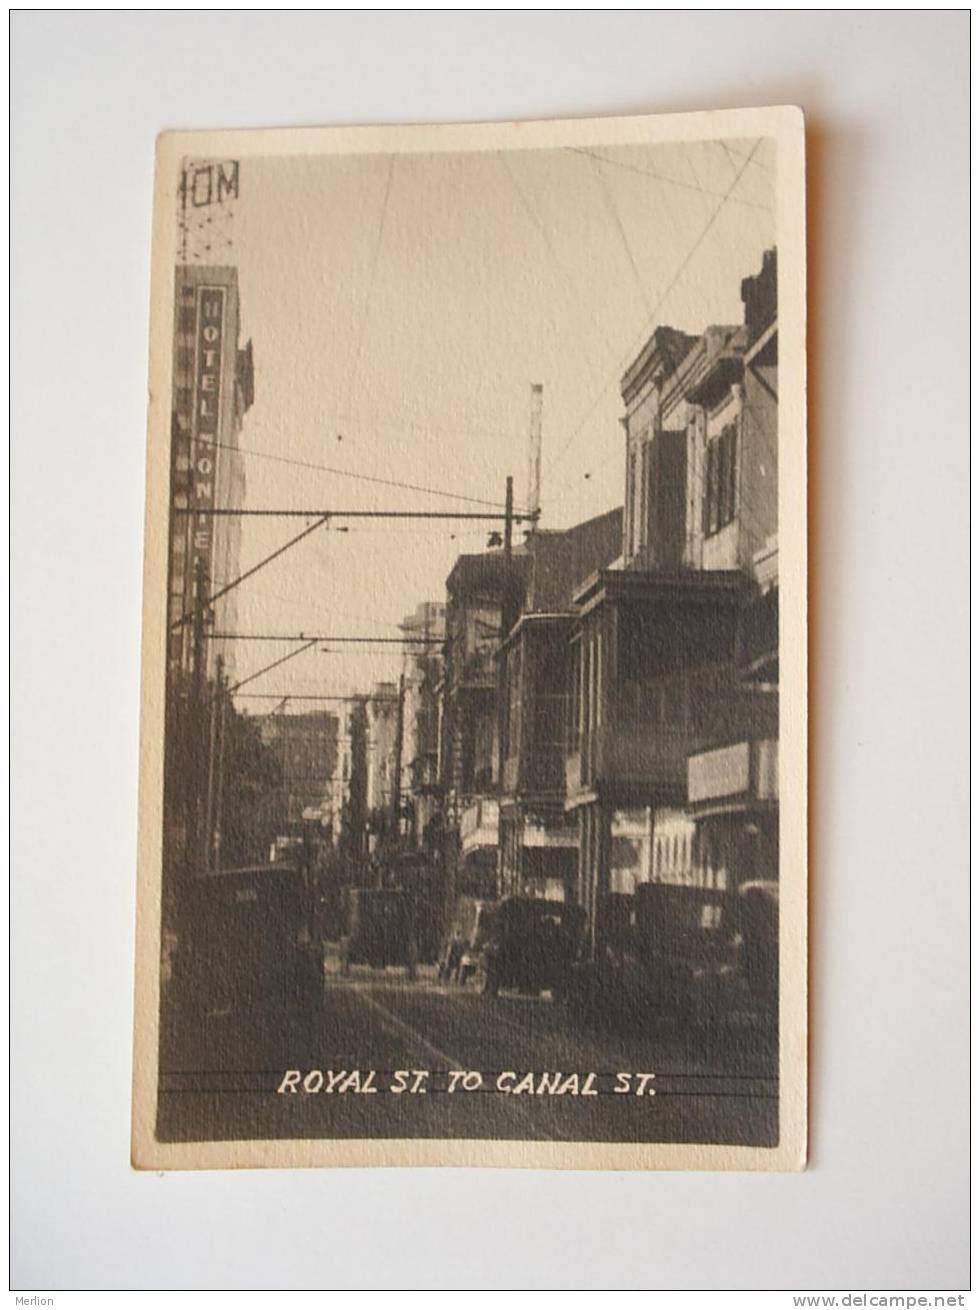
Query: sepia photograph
(473, 802)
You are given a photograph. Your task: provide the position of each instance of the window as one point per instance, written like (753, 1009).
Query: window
(720, 480)
(575, 700)
(635, 502)
(642, 477)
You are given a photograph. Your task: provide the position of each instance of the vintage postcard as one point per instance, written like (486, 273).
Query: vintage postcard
(473, 745)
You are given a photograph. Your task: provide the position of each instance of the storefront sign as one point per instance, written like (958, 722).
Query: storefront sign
(723, 772)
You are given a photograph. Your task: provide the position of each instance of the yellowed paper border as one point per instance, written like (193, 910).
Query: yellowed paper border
(785, 126)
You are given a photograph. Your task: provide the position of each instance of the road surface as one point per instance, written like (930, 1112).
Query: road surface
(375, 1032)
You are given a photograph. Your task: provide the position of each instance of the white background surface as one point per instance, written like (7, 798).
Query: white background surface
(884, 1203)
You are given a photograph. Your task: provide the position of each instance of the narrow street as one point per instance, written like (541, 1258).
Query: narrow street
(224, 1083)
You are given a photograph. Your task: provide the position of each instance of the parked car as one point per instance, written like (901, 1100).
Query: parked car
(380, 930)
(529, 945)
(654, 952)
(247, 945)
(744, 992)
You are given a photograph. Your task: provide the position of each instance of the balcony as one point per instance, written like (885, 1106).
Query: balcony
(647, 730)
(632, 757)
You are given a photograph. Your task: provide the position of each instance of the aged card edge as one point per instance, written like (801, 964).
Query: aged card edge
(784, 124)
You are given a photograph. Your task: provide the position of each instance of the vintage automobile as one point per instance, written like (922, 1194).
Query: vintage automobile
(529, 945)
(744, 993)
(460, 959)
(411, 872)
(381, 930)
(655, 951)
(246, 943)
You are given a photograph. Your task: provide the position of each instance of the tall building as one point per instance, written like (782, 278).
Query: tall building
(213, 387)
(382, 745)
(658, 648)
(538, 840)
(420, 678)
(306, 747)
(733, 779)
(468, 725)
(346, 802)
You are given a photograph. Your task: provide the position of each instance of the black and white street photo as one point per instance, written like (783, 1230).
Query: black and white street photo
(469, 823)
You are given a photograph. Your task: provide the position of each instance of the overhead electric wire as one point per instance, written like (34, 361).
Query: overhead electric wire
(661, 177)
(229, 586)
(650, 324)
(298, 695)
(347, 473)
(232, 691)
(308, 636)
(614, 213)
(587, 311)
(324, 514)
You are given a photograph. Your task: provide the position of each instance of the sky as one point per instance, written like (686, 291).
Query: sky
(400, 308)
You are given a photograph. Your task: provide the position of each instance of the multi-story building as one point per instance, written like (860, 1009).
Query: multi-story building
(345, 807)
(306, 747)
(468, 723)
(733, 781)
(382, 746)
(425, 633)
(538, 841)
(655, 648)
(213, 387)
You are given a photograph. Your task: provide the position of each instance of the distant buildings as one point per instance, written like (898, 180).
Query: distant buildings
(468, 729)
(305, 746)
(537, 840)
(383, 728)
(422, 666)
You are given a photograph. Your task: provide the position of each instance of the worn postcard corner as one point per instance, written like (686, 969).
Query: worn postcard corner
(473, 745)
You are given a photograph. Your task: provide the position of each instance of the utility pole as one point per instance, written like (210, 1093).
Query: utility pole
(215, 706)
(396, 784)
(197, 738)
(509, 519)
(506, 588)
(219, 796)
(534, 452)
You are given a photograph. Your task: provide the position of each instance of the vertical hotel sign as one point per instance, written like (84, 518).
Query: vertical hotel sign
(199, 349)
(206, 201)
(207, 416)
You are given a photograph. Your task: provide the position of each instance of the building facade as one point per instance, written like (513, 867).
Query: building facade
(382, 730)
(305, 746)
(538, 840)
(213, 388)
(733, 780)
(469, 713)
(421, 676)
(658, 650)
